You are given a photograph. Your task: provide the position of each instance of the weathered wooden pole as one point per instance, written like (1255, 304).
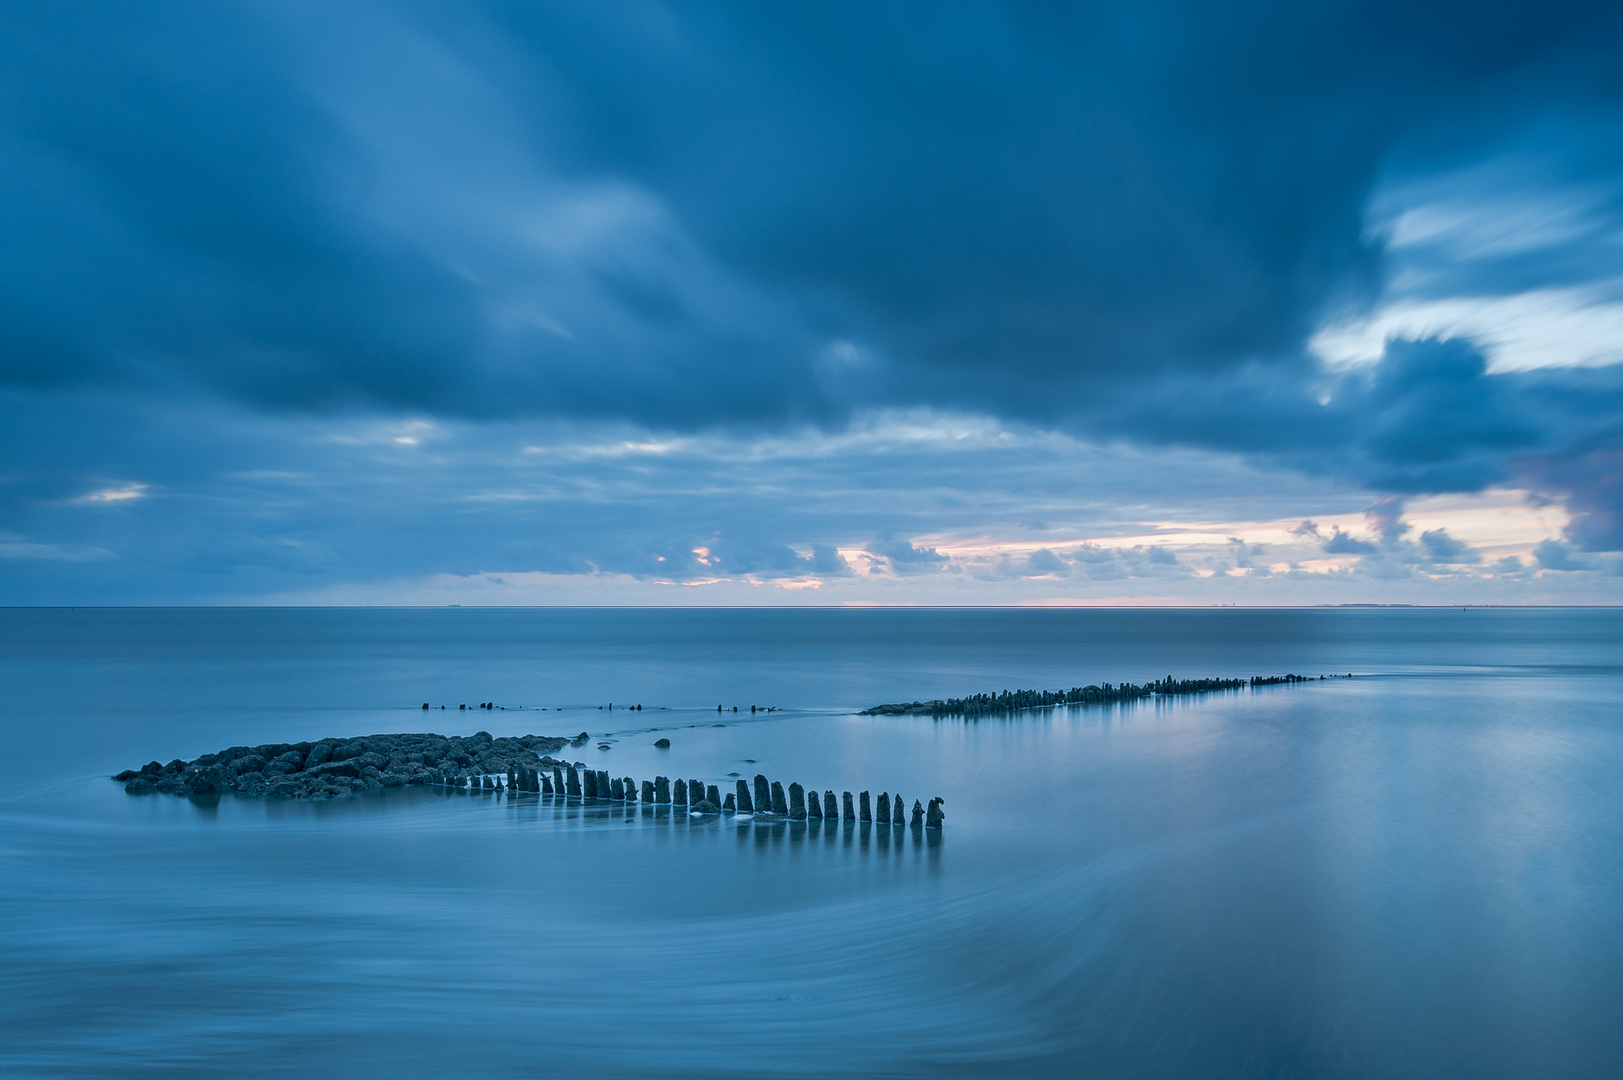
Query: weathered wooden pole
(780, 805)
(935, 815)
(814, 805)
(746, 805)
(831, 807)
(574, 782)
(918, 813)
(680, 795)
(899, 817)
(763, 793)
(850, 807)
(662, 789)
(647, 791)
(866, 808)
(797, 802)
(883, 809)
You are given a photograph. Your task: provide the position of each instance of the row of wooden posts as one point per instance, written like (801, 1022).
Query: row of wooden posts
(765, 799)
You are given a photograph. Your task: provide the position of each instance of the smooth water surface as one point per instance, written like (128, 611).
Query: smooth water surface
(1414, 872)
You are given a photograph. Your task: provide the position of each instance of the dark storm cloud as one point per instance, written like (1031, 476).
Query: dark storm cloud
(1443, 548)
(1590, 477)
(1121, 221)
(907, 558)
(1552, 555)
(679, 212)
(1427, 418)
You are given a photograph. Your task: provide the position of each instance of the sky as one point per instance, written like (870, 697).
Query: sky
(713, 303)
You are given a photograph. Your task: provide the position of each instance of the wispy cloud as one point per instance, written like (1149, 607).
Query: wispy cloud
(14, 549)
(122, 494)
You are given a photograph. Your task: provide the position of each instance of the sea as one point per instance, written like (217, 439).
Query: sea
(1414, 871)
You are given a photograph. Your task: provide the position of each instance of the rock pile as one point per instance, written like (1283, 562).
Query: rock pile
(333, 767)
(1013, 701)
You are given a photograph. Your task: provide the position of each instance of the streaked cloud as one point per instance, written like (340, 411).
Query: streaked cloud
(1005, 303)
(123, 493)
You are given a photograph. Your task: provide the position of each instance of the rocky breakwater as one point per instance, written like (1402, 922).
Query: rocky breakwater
(329, 768)
(1013, 701)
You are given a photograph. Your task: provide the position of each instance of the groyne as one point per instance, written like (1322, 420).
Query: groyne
(513, 767)
(1011, 701)
(762, 799)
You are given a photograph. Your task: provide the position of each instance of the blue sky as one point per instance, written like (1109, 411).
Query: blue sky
(737, 303)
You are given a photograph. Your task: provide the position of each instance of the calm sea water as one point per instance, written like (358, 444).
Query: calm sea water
(1415, 872)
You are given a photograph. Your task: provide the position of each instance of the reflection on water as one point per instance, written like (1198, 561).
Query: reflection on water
(559, 811)
(1411, 873)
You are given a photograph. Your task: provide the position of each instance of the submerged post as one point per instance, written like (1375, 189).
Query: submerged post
(680, 796)
(763, 793)
(797, 802)
(662, 789)
(918, 813)
(900, 815)
(574, 782)
(617, 791)
(831, 808)
(589, 781)
(630, 786)
(558, 780)
(933, 819)
(780, 805)
(602, 784)
(746, 805)
(713, 794)
(850, 807)
(883, 810)
(867, 809)
(647, 791)
(814, 804)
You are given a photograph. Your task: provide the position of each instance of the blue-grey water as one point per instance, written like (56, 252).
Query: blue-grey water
(1417, 872)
